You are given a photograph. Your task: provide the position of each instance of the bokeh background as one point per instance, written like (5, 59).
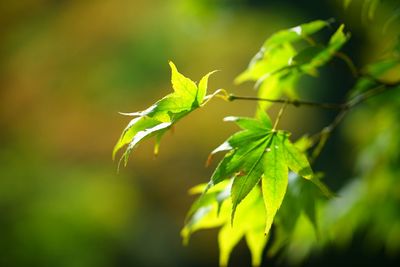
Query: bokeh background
(68, 67)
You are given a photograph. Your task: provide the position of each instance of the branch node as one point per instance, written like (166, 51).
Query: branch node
(231, 97)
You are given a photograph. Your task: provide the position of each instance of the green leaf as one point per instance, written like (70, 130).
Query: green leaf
(185, 88)
(256, 241)
(264, 64)
(295, 159)
(275, 180)
(319, 57)
(216, 194)
(306, 55)
(294, 34)
(202, 88)
(255, 152)
(276, 85)
(244, 161)
(249, 224)
(158, 118)
(243, 147)
(245, 182)
(250, 123)
(277, 51)
(228, 237)
(277, 67)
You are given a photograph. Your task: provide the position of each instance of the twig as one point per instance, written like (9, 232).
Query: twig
(358, 99)
(322, 136)
(278, 118)
(296, 103)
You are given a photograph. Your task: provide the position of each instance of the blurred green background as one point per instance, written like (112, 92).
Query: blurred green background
(68, 67)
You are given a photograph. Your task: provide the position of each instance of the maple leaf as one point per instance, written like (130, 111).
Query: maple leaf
(256, 153)
(278, 66)
(158, 118)
(213, 209)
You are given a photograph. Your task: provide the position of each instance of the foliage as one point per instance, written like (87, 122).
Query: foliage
(265, 179)
(157, 119)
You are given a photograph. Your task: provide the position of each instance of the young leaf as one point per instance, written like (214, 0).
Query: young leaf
(249, 224)
(242, 185)
(228, 237)
(158, 118)
(274, 181)
(256, 241)
(244, 161)
(258, 151)
(277, 67)
(297, 162)
(294, 34)
(311, 58)
(277, 51)
(244, 148)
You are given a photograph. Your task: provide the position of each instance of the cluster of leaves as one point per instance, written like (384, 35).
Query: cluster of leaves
(261, 153)
(370, 201)
(278, 66)
(371, 190)
(257, 153)
(263, 178)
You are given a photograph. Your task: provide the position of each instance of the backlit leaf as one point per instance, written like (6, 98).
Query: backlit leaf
(274, 181)
(277, 67)
(249, 224)
(255, 152)
(157, 119)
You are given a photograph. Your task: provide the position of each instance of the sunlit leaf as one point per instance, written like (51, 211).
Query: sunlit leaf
(277, 51)
(249, 224)
(157, 119)
(275, 180)
(318, 57)
(255, 152)
(277, 67)
(256, 241)
(294, 34)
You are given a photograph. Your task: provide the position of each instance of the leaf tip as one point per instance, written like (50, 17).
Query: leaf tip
(173, 67)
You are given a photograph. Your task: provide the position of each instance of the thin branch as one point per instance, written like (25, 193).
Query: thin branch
(278, 118)
(296, 103)
(358, 99)
(348, 62)
(322, 136)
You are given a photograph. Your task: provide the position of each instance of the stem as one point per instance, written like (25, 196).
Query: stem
(348, 62)
(278, 118)
(322, 136)
(296, 103)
